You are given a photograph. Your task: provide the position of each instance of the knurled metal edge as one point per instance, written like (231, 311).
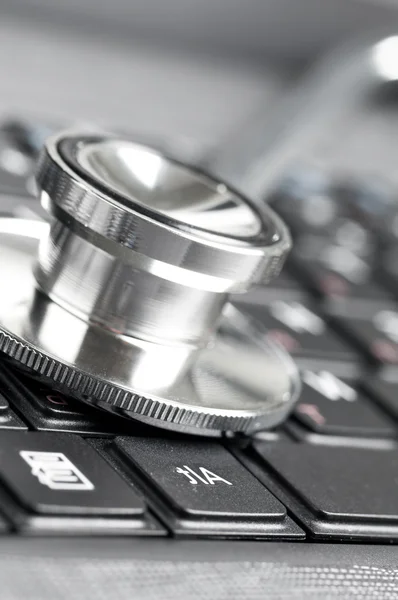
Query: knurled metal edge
(92, 390)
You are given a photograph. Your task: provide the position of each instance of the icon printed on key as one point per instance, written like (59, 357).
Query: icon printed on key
(56, 471)
(201, 475)
(297, 317)
(329, 386)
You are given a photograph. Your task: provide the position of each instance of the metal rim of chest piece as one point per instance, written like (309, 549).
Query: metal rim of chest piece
(122, 300)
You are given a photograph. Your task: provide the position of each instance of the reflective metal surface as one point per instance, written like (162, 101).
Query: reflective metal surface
(126, 266)
(126, 304)
(143, 176)
(239, 381)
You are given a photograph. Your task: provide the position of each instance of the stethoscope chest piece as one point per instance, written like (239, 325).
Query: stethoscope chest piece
(122, 299)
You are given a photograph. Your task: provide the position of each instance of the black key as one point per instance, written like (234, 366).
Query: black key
(8, 419)
(308, 203)
(4, 406)
(375, 333)
(385, 393)
(201, 489)
(388, 269)
(338, 492)
(305, 335)
(51, 402)
(337, 274)
(63, 483)
(371, 201)
(335, 406)
(48, 410)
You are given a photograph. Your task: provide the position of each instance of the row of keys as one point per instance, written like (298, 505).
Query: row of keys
(337, 276)
(335, 406)
(331, 401)
(344, 252)
(60, 483)
(336, 492)
(151, 486)
(198, 487)
(304, 334)
(341, 339)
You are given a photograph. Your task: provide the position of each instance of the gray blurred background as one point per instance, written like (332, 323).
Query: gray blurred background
(190, 70)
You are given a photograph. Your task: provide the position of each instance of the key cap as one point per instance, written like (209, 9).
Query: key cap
(48, 410)
(338, 492)
(48, 401)
(64, 484)
(201, 489)
(8, 419)
(308, 203)
(371, 201)
(335, 406)
(388, 269)
(385, 393)
(337, 274)
(4, 406)
(305, 335)
(375, 333)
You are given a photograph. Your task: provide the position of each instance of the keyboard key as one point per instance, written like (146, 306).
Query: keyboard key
(338, 492)
(335, 406)
(388, 268)
(371, 201)
(201, 489)
(336, 274)
(64, 484)
(385, 393)
(4, 406)
(375, 333)
(305, 335)
(48, 410)
(308, 203)
(347, 217)
(8, 419)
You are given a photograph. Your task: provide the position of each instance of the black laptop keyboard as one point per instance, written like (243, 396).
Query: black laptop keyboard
(329, 473)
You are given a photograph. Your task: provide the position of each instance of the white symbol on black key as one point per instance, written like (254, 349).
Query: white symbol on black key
(56, 471)
(201, 476)
(386, 321)
(346, 263)
(297, 317)
(329, 385)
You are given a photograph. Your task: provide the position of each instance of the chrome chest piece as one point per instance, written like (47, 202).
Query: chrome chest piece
(122, 301)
